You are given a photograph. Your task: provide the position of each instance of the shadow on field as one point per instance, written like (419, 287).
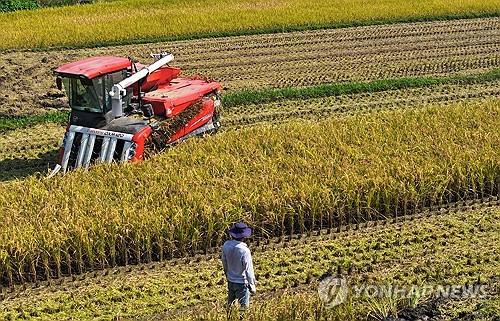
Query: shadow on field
(11, 169)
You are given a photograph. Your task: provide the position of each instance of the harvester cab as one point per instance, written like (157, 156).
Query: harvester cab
(87, 92)
(122, 111)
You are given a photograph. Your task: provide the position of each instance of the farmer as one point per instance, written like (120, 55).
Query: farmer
(238, 267)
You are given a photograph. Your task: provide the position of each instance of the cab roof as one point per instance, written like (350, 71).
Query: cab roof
(94, 67)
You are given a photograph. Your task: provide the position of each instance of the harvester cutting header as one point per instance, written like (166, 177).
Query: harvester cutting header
(121, 110)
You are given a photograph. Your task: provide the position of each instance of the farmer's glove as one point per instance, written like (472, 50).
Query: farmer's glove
(252, 289)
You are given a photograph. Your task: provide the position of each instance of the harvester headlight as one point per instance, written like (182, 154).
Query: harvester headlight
(131, 152)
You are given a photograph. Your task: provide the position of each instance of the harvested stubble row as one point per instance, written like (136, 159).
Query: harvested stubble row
(325, 56)
(318, 108)
(304, 304)
(440, 249)
(283, 178)
(29, 150)
(281, 60)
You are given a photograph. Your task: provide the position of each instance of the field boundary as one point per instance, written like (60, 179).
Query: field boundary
(259, 245)
(265, 30)
(247, 97)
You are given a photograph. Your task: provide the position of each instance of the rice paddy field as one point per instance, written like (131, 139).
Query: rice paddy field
(359, 140)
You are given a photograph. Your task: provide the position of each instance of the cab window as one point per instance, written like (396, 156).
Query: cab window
(82, 95)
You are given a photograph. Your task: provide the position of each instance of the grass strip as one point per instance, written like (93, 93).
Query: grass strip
(17, 122)
(134, 21)
(441, 249)
(235, 99)
(285, 178)
(270, 95)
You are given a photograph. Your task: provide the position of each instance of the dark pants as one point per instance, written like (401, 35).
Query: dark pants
(238, 292)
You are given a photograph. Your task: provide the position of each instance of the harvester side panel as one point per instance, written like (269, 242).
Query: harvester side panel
(170, 100)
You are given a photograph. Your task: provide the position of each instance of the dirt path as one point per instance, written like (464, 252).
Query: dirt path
(280, 60)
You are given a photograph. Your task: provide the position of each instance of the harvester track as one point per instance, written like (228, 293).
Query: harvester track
(258, 244)
(467, 46)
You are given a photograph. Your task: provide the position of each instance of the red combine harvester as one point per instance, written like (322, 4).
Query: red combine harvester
(121, 110)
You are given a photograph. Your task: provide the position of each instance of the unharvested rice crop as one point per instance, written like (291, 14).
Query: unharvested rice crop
(281, 178)
(149, 20)
(340, 192)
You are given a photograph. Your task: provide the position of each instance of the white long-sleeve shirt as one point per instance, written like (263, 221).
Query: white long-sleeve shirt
(237, 263)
